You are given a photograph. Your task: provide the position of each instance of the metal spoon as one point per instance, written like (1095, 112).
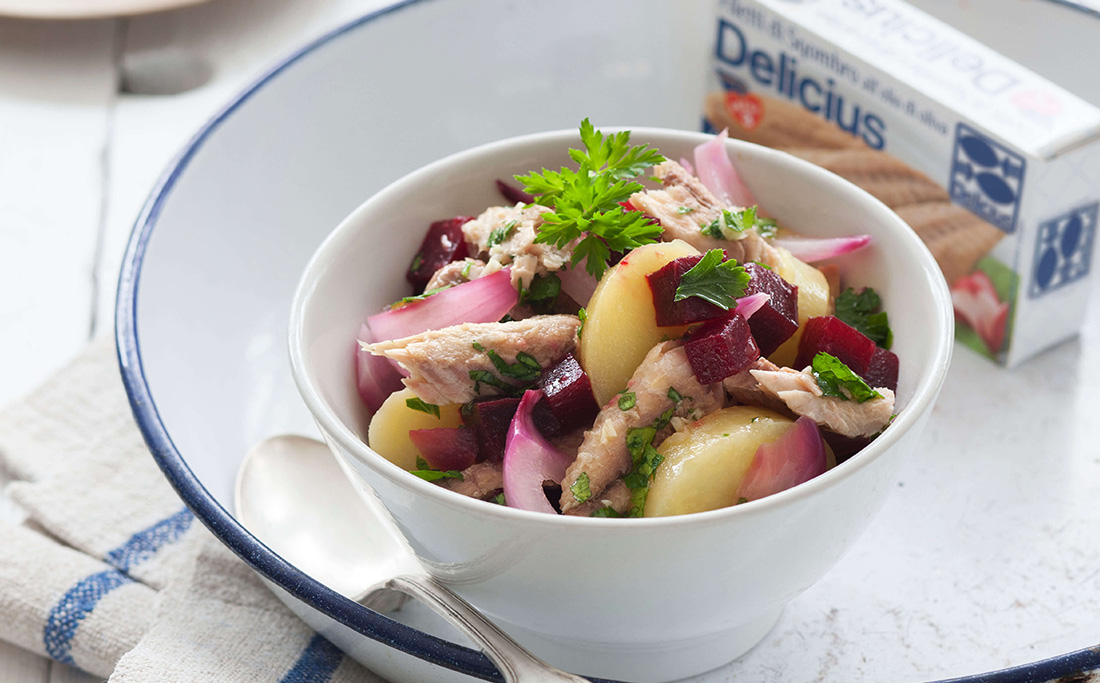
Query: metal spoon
(292, 495)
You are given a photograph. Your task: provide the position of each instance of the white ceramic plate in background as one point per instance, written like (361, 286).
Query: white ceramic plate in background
(87, 9)
(210, 270)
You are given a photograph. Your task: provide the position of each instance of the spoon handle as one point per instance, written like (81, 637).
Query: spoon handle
(516, 664)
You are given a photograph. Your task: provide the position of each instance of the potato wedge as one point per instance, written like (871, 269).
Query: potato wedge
(813, 300)
(388, 433)
(704, 464)
(621, 326)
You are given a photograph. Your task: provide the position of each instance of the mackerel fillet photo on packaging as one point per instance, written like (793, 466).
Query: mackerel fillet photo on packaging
(995, 168)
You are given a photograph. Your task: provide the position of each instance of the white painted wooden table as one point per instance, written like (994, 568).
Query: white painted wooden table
(77, 157)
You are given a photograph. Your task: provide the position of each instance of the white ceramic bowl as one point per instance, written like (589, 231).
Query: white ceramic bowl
(649, 599)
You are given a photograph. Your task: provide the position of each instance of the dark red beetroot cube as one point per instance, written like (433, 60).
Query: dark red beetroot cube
(513, 193)
(721, 348)
(829, 334)
(489, 421)
(844, 447)
(663, 284)
(568, 394)
(882, 371)
(777, 320)
(446, 448)
(443, 243)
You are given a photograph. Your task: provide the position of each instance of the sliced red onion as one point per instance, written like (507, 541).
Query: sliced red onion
(376, 377)
(578, 283)
(975, 300)
(747, 305)
(483, 300)
(814, 249)
(529, 460)
(687, 165)
(795, 457)
(715, 170)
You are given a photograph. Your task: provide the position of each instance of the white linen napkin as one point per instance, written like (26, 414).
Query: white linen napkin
(111, 573)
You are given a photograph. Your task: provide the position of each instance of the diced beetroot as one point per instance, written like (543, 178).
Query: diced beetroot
(568, 394)
(721, 348)
(882, 371)
(546, 422)
(663, 284)
(844, 447)
(489, 421)
(443, 244)
(831, 335)
(514, 194)
(777, 320)
(446, 448)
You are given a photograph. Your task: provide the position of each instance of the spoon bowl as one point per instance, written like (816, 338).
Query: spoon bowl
(293, 496)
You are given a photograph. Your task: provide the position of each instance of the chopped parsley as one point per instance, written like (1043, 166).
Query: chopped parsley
(731, 225)
(419, 404)
(627, 400)
(685, 210)
(586, 203)
(436, 475)
(485, 377)
(418, 261)
(837, 379)
(714, 281)
(861, 311)
(466, 269)
(542, 293)
(419, 297)
(606, 511)
(500, 234)
(580, 488)
(741, 500)
(499, 499)
(766, 228)
(526, 369)
(645, 458)
(428, 474)
(583, 315)
(674, 395)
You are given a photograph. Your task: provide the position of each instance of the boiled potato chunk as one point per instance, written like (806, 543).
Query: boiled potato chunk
(389, 429)
(704, 464)
(622, 323)
(813, 300)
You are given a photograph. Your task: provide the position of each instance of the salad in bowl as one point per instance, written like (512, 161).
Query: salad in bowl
(628, 336)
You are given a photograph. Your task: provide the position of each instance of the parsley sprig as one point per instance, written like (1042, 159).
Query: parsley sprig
(861, 311)
(714, 281)
(585, 202)
(837, 379)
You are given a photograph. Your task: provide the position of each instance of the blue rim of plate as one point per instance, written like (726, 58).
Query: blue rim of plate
(292, 580)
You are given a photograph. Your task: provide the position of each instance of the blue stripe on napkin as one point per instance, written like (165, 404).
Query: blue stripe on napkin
(145, 543)
(318, 661)
(77, 603)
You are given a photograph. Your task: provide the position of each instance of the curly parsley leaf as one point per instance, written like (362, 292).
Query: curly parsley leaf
(837, 379)
(586, 202)
(419, 404)
(861, 311)
(714, 280)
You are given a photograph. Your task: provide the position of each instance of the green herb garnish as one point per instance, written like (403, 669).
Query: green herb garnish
(419, 404)
(525, 369)
(627, 400)
(419, 297)
(837, 379)
(714, 281)
(580, 488)
(606, 511)
(542, 293)
(639, 441)
(674, 395)
(730, 224)
(741, 500)
(499, 499)
(859, 311)
(685, 210)
(418, 260)
(436, 475)
(485, 377)
(583, 315)
(500, 234)
(585, 202)
(466, 269)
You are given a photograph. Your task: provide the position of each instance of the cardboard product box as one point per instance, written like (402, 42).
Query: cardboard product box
(997, 169)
